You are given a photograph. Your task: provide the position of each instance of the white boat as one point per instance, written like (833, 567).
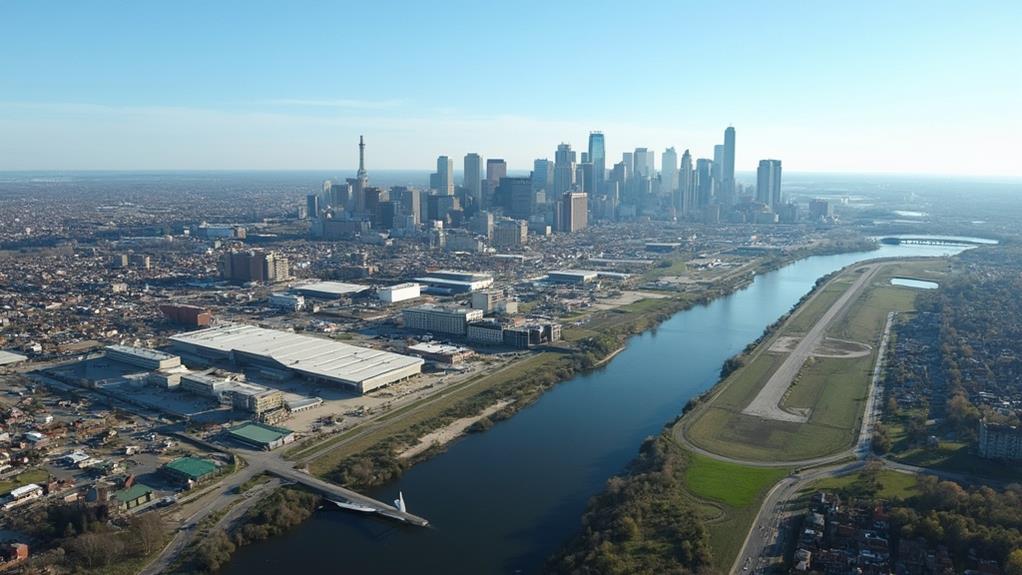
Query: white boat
(354, 506)
(400, 503)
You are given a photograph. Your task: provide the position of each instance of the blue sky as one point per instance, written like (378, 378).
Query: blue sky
(904, 86)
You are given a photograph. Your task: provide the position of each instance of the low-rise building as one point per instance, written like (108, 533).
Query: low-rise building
(261, 436)
(290, 302)
(441, 353)
(399, 292)
(134, 496)
(486, 333)
(190, 470)
(572, 276)
(439, 319)
(142, 357)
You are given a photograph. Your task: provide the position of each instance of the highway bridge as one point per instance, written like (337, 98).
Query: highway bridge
(934, 241)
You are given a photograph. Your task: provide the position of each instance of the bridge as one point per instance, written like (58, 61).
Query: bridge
(933, 241)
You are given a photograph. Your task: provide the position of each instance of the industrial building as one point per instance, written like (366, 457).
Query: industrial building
(312, 358)
(142, 357)
(439, 319)
(456, 281)
(398, 293)
(134, 496)
(329, 289)
(190, 470)
(261, 436)
(287, 301)
(572, 276)
(441, 353)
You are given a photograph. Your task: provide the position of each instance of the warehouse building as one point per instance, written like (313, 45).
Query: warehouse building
(142, 357)
(439, 319)
(190, 470)
(572, 276)
(312, 358)
(134, 496)
(287, 301)
(455, 281)
(261, 436)
(441, 353)
(399, 292)
(329, 290)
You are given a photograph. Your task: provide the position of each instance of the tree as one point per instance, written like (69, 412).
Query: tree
(148, 531)
(1013, 565)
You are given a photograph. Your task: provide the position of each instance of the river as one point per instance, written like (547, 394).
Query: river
(504, 500)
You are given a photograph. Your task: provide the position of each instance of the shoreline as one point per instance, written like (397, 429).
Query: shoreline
(641, 323)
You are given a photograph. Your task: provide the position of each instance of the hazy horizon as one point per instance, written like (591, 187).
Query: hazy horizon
(905, 87)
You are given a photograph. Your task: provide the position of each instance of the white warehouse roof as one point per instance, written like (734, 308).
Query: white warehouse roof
(316, 357)
(329, 289)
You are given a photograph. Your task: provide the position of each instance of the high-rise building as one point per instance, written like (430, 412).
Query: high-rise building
(444, 181)
(515, 195)
(643, 163)
(768, 183)
(254, 266)
(704, 182)
(496, 169)
(598, 157)
(361, 181)
(685, 201)
(728, 169)
(312, 206)
(564, 170)
(473, 177)
(542, 175)
(510, 233)
(718, 165)
(669, 172)
(409, 200)
(574, 211)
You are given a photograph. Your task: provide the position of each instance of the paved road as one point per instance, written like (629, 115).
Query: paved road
(767, 404)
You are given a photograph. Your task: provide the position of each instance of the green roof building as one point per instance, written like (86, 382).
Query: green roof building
(261, 436)
(191, 469)
(133, 496)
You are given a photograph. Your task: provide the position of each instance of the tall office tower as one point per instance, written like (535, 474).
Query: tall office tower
(444, 181)
(704, 182)
(474, 177)
(587, 181)
(669, 173)
(312, 206)
(728, 169)
(564, 170)
(496, 169)
(643, 163)
(768, 183)
(718, 164)
(684, 201)
(339, 196)
(516, 197)
(410, 201)
(598, 157)
(373, 198)
(629, 162)
(542, 175)
(361, 181)
(574, 212)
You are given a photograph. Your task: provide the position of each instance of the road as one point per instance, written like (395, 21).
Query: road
(767, 404)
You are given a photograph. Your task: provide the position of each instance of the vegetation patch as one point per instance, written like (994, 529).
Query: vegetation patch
(729, 483)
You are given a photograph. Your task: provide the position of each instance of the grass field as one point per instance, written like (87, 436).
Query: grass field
(832, 390)
(728, 497)
(891, 484)
(23, 478)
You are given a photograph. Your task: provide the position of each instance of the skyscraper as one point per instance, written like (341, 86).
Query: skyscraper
(704, 182)
(516, 196)
(542, 176)
(361, 178)
(684, 200)
(564, 169)
(669, 172)
(445, 176)
(496, 169)
(728, 169)
(768, 183)
(574, 211)
(312, 206)
(473, 177)
(598, 157)
(643, 163)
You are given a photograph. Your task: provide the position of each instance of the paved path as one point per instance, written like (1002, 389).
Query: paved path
(767, 404)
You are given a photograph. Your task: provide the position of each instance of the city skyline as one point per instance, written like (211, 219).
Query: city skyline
(803, 82)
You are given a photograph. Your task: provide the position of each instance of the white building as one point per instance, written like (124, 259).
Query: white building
(287, 301)
(399, 292)
(438, 319)
(142, 357)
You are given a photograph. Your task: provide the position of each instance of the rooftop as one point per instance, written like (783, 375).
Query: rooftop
(192, 466)
(329, 288)
(306, 354)
(259, 433)
(7, 357)
(143, 352)
(132, 493)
